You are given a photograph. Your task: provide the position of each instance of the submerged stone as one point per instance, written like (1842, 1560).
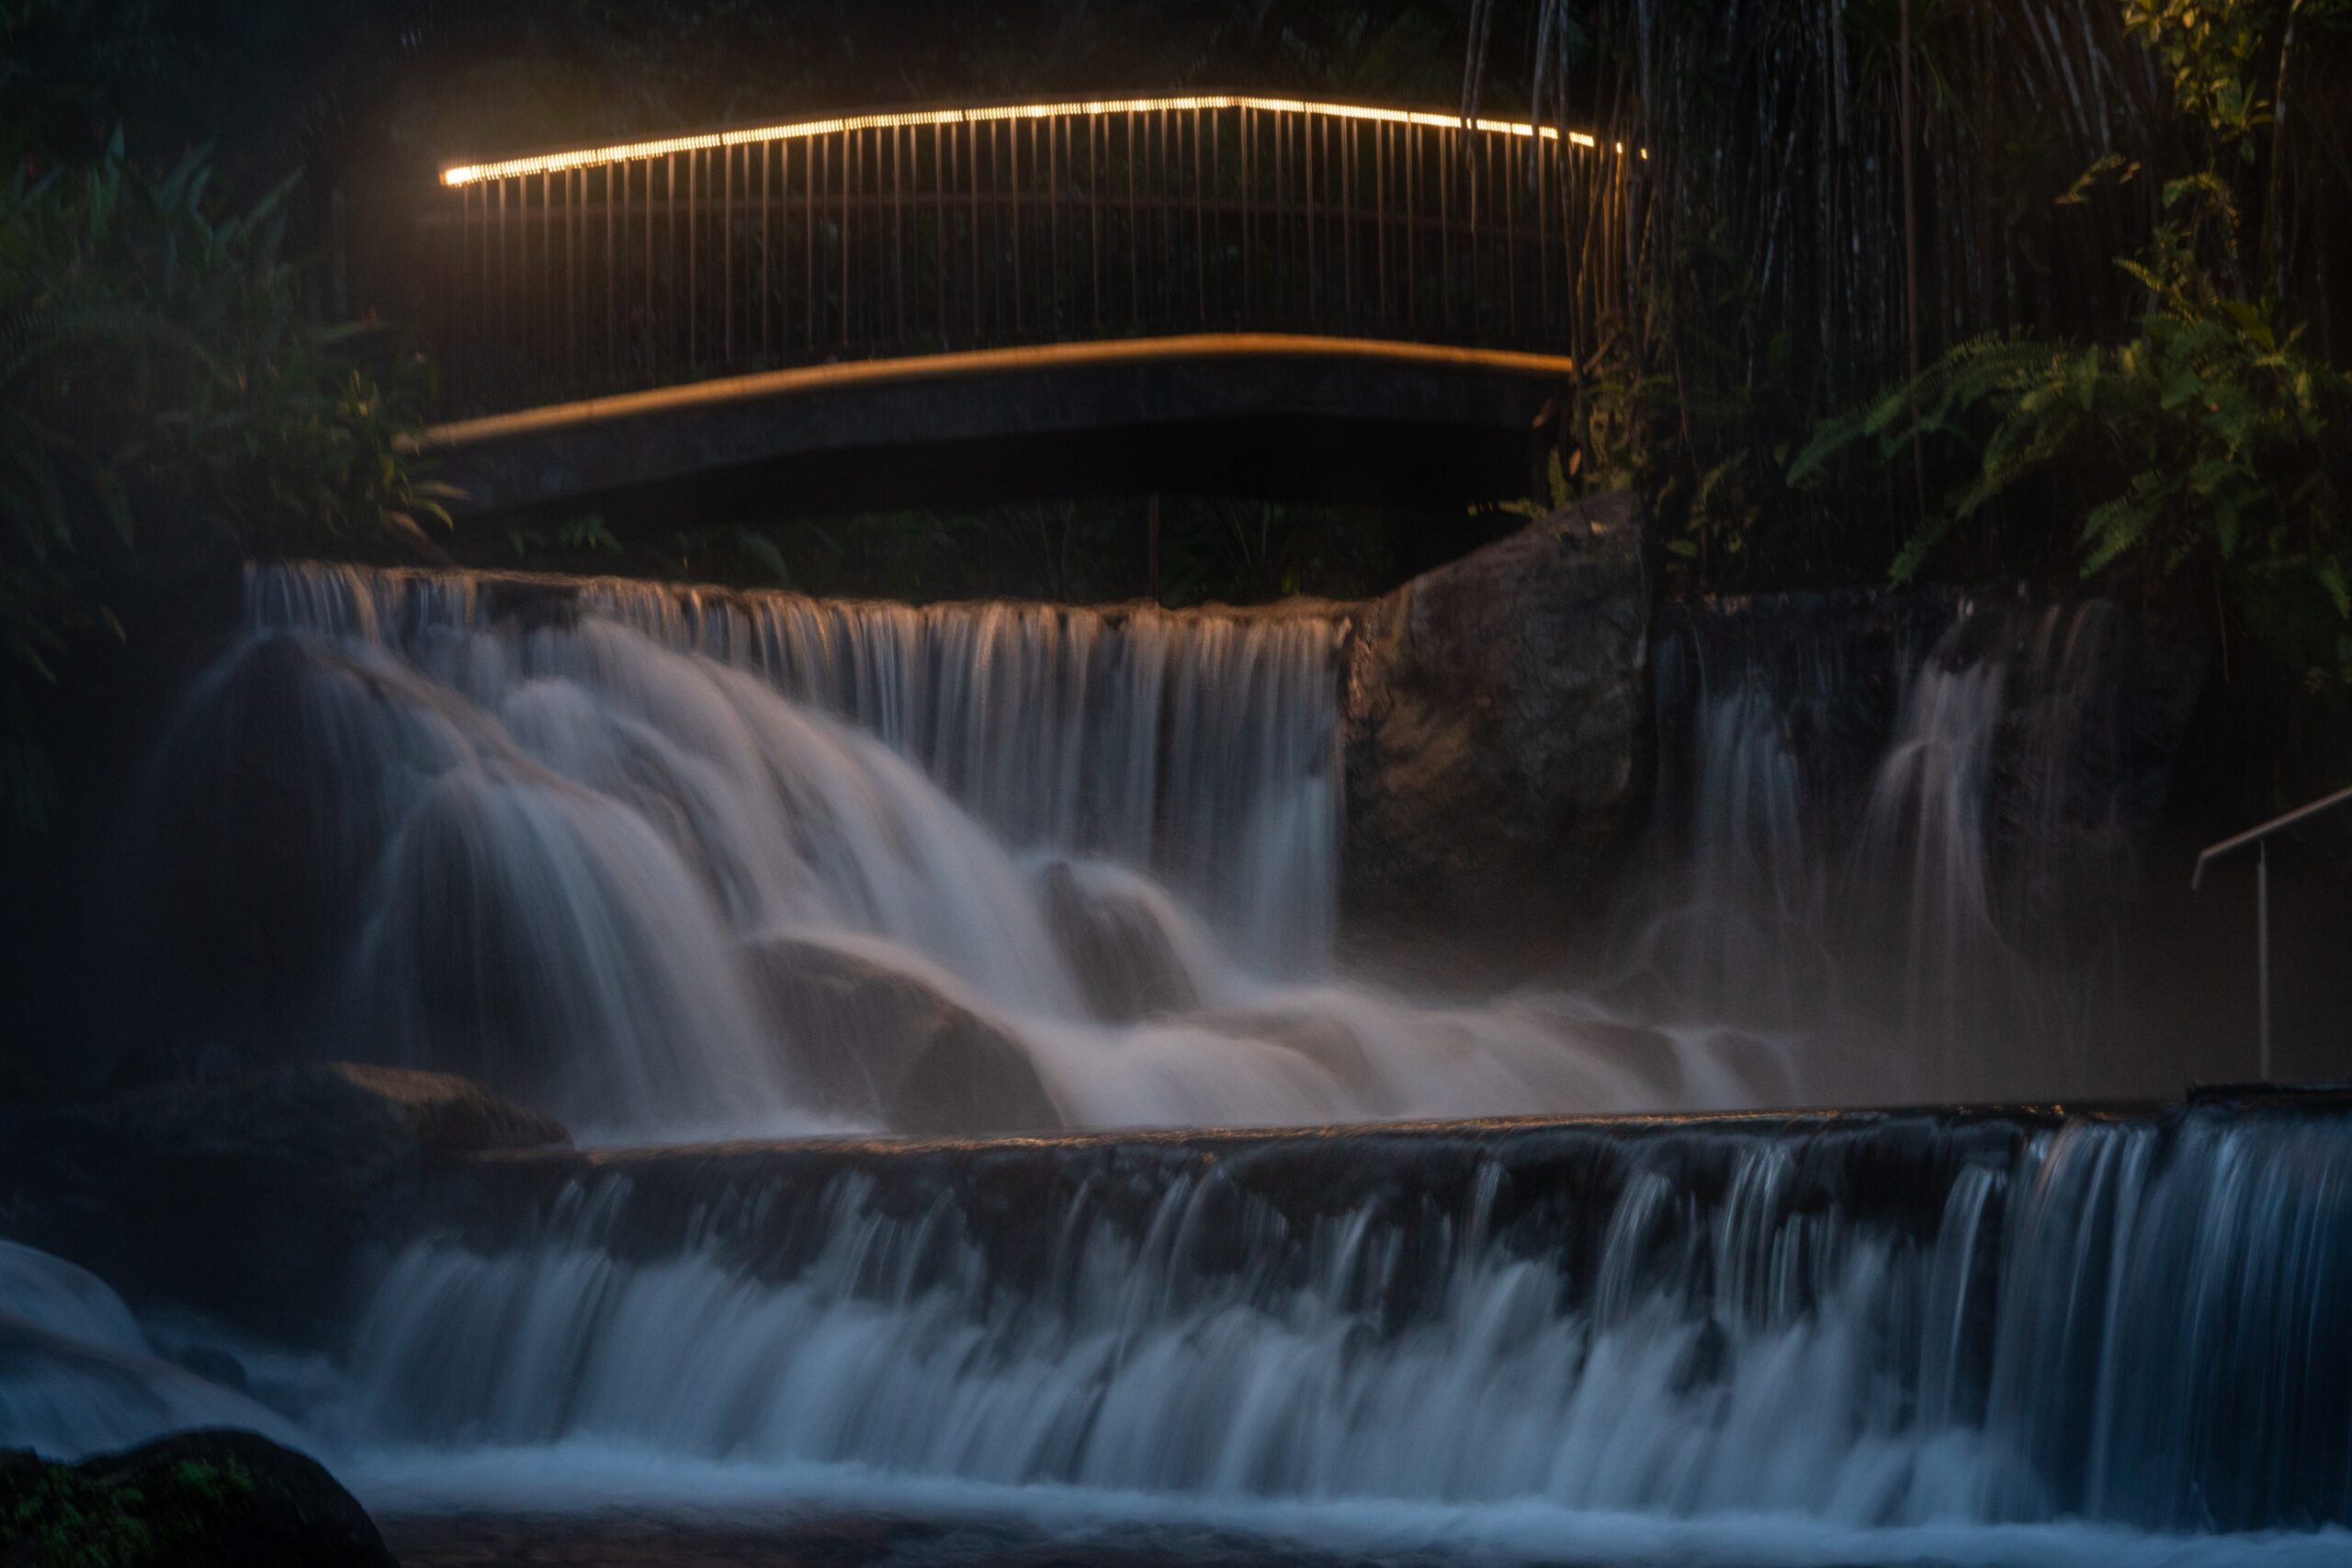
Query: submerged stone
(874, 1043)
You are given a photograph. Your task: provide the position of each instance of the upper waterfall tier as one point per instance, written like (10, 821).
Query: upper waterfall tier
(1199, 744)
(666, 859)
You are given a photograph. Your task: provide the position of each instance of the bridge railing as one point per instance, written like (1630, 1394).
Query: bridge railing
(623, 268)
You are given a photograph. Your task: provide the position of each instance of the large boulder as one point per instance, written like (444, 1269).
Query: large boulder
(1497, 726)
(872, 1043)
(253, 1199)
(204, 1499)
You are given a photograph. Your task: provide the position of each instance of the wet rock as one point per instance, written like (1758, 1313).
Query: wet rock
(971, 1078)
(1124, 959)
(205, 1499)
(1496, 725)
(445, 1114)
(870, 1042)
(251, 1201)
(1323, 1040)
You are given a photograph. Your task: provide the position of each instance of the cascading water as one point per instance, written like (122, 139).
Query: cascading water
(1881, 1325)
(1867, 1337)
(1199, 746)
(688, 862)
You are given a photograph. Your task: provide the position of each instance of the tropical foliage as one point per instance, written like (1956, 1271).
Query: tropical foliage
(158, 364)
(2211, 441)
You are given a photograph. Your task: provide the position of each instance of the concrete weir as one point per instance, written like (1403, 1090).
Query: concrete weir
(2126, 1315)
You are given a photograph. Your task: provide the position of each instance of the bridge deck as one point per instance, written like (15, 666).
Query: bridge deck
(1329, 418)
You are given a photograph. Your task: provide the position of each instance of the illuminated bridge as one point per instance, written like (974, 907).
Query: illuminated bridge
(1189, 293)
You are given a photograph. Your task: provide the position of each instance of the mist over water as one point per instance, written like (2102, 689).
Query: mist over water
(1904, 832)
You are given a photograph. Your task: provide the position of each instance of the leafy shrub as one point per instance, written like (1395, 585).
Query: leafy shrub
(2211, 440)
(157, 361)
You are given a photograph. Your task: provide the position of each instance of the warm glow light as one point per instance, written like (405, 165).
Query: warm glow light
(625, 152)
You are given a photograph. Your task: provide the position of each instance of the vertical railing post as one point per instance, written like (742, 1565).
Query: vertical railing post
(848, 165)
(767, 257)
(972, 139)
(1098, 136)
(815, 168)
(939, 232)
(900, 136)
(1412, 236)
(1200, 226)
(1134, 236)
(2262, 946)
(696, 183)
(612, 271)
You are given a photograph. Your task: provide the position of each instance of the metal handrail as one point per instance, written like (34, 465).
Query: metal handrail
(597, 271)
(2259, 838)
(2256, 835)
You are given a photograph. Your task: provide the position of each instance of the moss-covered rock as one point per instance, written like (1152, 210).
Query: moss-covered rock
(216, 1499)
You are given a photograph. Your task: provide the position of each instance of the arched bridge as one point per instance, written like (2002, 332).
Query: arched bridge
(1209, 292)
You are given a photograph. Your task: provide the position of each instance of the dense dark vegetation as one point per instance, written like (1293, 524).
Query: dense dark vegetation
(201, 1499)
(1909, 287)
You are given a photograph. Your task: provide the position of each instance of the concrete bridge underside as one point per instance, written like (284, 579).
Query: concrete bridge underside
(1284, 417)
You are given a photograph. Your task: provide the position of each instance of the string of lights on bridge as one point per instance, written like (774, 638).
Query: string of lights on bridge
(627, 151)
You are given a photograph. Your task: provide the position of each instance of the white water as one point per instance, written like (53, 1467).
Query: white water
(589, 1478)
(574, 849)
(2129, 1324)
(79, 1376)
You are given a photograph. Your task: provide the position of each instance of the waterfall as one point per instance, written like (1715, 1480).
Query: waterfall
(1199, 745)
(1906, 818)
(685, 864)
(680, 862)
(1885, 1323)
